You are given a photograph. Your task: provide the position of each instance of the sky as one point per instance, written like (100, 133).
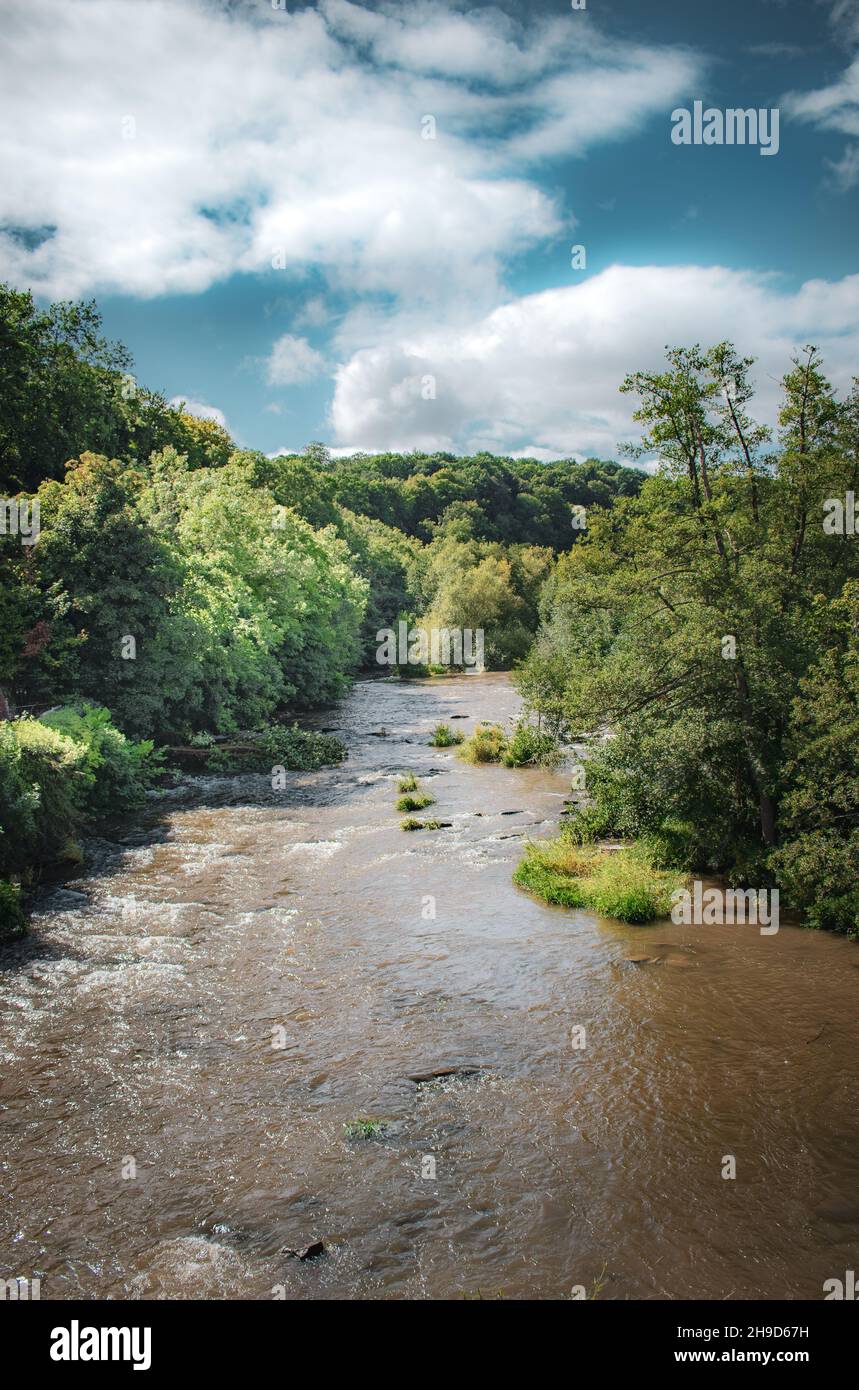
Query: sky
(354, 222)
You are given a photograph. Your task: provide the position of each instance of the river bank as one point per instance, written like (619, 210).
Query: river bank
(240, 977)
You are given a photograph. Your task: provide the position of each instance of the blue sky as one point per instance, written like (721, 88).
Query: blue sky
(247, 192)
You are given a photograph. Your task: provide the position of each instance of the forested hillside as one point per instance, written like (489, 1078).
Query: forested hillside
(704, 617)
(190, 585)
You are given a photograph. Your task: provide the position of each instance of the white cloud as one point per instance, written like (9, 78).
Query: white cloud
(844, 16)
(201, 410)
(170, 144)
(835, 107)
(293, 361)
(844, 172)
(540, 374)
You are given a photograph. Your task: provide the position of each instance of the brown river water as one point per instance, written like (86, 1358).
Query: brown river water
(139, 1021)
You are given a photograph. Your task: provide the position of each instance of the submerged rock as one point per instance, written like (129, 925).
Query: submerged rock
(420, 1078)
(310, 1252)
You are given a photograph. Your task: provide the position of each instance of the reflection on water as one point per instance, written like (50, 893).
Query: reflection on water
(139, 1025)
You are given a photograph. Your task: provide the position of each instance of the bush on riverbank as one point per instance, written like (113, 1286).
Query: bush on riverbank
(613, 883)
(280, 745)
(12, 920)
(117, 769)
(56, 775)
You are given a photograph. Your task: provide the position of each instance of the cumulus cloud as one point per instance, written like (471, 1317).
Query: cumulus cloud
(161, 147)
(540, 374)
(201, 410)
(292, 362)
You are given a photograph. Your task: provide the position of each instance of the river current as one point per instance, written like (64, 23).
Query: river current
(240, 974)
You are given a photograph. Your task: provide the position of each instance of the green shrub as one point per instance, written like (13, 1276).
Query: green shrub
(443, 736)
(301, 750)
(411, 824)
(529, 746)
(280, 745)
(408, 783)
(488, 744)
(12, 920)
(118, 770)
(44, 783)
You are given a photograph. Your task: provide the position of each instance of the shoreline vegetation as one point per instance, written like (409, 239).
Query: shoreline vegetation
(63, 774)
(195, 590)
(612, 881)
(163, 588)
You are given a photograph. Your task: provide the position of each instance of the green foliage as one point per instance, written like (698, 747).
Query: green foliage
(407, 783)
(43, 790)
(617, 883)
(710, 624)
(410, 823)
(300, 750)
(12, 920)
(364, 1128)
(65, 389)
(118, 771)
(528, 746)
(481, 586)
(488, 744)
(818, 860)
(415, 803)
(56, 774)
(443, 736)
(280, 745)
(481, 498)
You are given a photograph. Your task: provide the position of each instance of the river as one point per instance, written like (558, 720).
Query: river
(240, 973)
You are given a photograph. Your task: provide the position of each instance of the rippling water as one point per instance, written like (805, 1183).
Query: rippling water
(138, 1023)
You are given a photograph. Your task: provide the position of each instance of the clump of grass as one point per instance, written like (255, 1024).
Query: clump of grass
(617, 883)
(407, 783)
(443, 736)
(415, 803)
(411, 824)
(488, 744)
(364, 1127)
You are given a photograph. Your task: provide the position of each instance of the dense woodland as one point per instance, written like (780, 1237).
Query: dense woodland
(254, 586)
